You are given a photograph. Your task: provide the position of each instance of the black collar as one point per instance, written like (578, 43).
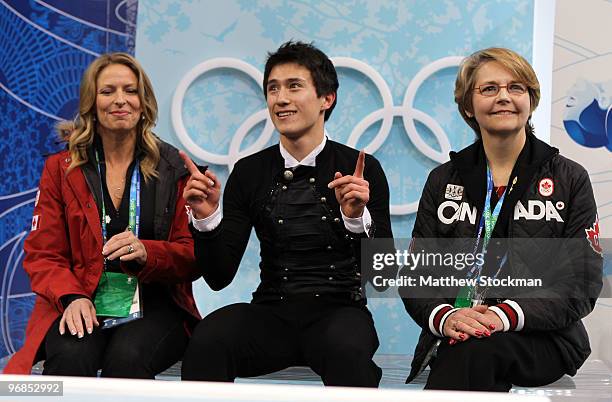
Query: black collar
(471, 166)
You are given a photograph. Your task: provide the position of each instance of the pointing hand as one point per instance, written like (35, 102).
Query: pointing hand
(352, 191)
(202, 191)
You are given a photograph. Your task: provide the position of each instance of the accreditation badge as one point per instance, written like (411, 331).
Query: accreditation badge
(118, 299)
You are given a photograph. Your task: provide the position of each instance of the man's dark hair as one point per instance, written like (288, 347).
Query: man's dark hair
(306, 55)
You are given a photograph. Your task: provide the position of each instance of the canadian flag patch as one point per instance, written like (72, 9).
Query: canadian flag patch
(546, 187)
(593, 237)
(35, 222)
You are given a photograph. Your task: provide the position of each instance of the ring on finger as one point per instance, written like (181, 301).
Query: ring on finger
(130, 249)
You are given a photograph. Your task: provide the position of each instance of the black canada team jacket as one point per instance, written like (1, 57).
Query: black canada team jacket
(548, 197)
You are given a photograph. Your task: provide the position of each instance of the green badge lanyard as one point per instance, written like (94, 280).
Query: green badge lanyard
(487, 222)
(116, 290)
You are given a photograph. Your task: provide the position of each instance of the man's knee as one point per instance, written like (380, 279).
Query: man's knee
(221, 329)
(348, 350)
(212, 338)
(356, 345)
(346, 362)
(209, 354)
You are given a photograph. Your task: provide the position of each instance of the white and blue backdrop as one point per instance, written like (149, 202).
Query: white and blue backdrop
(397, 63)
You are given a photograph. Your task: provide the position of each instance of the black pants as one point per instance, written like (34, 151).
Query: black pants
(337, 340)
(496, 363)
(137, 349)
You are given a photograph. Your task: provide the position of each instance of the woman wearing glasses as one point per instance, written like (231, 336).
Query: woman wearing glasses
(507, 185)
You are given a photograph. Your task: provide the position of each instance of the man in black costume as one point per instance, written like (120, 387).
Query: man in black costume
(311, 201)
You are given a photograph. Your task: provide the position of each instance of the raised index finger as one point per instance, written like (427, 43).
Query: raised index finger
(360, 165)
(191, 167)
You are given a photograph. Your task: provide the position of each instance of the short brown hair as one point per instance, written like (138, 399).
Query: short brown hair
(511, 60)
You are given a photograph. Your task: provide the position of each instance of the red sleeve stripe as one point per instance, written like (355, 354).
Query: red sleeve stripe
(434, 328)
(502, 316)
(519, 312)
(438, 318)
(511, 314)
(443, 319)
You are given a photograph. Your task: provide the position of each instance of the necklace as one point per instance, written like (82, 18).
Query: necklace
(115, 181)
(116, 190)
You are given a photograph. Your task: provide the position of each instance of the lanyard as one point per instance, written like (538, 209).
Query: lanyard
(134, 214)
(487, 221)
(490, 218)
(467, 294)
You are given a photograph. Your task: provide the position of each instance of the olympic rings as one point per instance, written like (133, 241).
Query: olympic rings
(388, 111)
(234, 153)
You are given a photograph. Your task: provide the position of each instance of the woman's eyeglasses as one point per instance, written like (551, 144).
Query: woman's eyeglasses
(515, 88)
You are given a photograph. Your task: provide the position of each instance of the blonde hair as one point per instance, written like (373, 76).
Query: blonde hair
(466, 80)
(80, 133)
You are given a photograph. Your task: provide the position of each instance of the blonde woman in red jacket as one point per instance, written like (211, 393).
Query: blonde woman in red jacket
(110, 256)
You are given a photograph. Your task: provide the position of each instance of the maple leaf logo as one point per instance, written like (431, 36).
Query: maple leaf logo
(593, 237)
(546, 187)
